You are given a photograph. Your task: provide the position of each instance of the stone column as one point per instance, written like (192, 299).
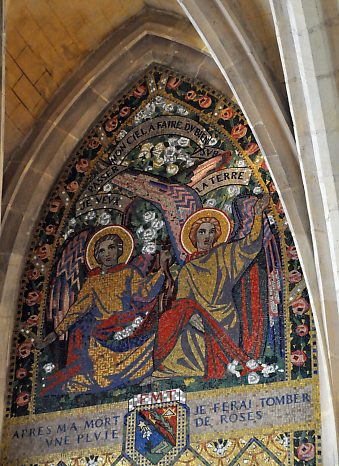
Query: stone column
(304, 31)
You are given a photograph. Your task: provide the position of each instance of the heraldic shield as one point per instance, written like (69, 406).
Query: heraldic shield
(156, 428)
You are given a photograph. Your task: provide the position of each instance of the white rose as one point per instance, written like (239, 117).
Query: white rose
(159, 100)
(169, 108)
(149, 216)
(183, 142)
(211, 202)
(182, 110)
(252, 364)
(149, 235)
(104, 219)
(149, 248)
(233, 190)
(212, 141)
(157, 224)
(172, 169)
(241, 163)
(49, 367)
(253, 378)
(72, 222)
(107, 188)
(257, 190)
(170, 155)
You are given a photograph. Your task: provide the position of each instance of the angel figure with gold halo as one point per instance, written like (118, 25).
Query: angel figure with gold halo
(204, 331)
(110, 324)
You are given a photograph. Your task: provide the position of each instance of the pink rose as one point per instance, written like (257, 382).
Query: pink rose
(111, 124)
(72, 187)
(22, 399)
(125, 111)
(191, 95)
(227, 113)
(50, 229)
(55, 205)
(44, 251)
(32, 320)
(82, 166)
(305, 451)
(205, 101)
(33, 274)
(173, 82)
(300, 306)
(292, 253)
(279, 208)
(93, 143)
(298, 358)
(294, 276)
(140, 91)
(24, 349)
(239, 131)
(252, 148)
(272, 187)
(301, 330)
(33, 297)
(21, 373)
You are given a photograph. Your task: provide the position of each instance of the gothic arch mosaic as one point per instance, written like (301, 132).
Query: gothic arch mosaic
(163, 317)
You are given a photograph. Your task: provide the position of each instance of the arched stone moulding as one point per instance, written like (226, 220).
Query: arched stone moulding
(56, 135)
(148, 39)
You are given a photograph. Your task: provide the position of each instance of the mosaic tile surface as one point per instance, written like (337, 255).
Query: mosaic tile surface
(163, 317)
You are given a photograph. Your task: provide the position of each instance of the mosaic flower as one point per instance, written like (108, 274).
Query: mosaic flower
(33, 274)
(44, 251)
(305, 451)
(219, 447)
(294, 276)
(159, 149)
(49, 367)
(298, 358)
(55, 205)
(227, 113)
(140, 91)
(301, 330)
(233, 190)
(72, 187)
(91, 215)
(149, 235)
(172, 169)
(21, 373)
(104, 218)
(24, 349)
(253, 378)
(183, 142)
(149, 248)
(22, 399)
(257, 190)
(149, 216)
(50, 229)
(82, 166)
(93, 143)
(125, 111)
(107, 188)
(33, 297)
(191, 95)
(32, 320)
(291, 252)
(239, 131)
(212, 141)
(182, 110)
(205, 101)
(300, 306)
(157, 224)
(173, 82)
(241, 163)
(169, 108)
(252, 148)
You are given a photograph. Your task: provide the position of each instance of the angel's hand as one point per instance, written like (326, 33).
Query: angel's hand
(39, 343)
(197, 322)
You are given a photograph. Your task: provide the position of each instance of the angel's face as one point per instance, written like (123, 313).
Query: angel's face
(205, 236)
(107, 255)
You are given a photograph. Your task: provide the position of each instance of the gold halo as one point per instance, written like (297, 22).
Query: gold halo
(222, 217)
(124, 235)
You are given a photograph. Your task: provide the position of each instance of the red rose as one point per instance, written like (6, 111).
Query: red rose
(82, 166)
(227, 113)
(44, 251)
(279, 208)
(292, 253)
(191, 95)
(32, 320)
(55, 205)
(300, 306)
(33, 297)
(50, 229)
(252, 148)
(22, 399)
(33, 274)
(21, 373)
(298, 358)
(111, 124)
(125, 111)
(239, 131)
(301, 330)
(205, 101)
(294, 276)
(140, 91)
(24, 349)
(93, 143)
(72, 187)
(173, 82)
(305, 451)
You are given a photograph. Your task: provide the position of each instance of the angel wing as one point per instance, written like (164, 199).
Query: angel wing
(259, 294)
(69, 276)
